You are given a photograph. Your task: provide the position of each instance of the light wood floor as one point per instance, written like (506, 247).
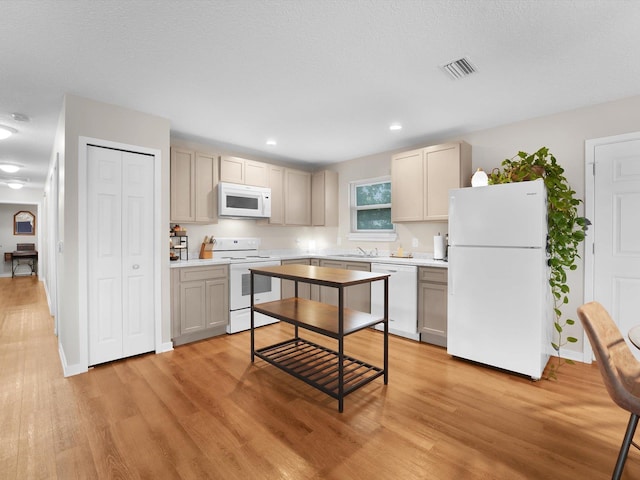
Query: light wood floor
(204, 411)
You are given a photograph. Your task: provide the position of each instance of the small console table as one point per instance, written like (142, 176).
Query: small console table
(25, 254)
(332, 372)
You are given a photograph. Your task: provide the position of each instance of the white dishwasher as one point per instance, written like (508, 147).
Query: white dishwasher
(403, 298)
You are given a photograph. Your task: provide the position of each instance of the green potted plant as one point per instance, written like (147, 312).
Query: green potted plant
(566, 230)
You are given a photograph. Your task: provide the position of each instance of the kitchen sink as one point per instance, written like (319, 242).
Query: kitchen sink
(356, 255)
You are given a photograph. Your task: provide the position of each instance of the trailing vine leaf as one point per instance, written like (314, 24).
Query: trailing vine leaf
(566, 230)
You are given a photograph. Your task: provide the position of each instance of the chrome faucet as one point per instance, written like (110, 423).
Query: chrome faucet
(369, 254)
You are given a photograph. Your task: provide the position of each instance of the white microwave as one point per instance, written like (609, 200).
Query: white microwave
(236, 200)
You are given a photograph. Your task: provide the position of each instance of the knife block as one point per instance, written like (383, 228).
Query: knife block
(205, 251)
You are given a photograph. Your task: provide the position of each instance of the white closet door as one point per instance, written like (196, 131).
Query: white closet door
(137, 253)
(120, 251)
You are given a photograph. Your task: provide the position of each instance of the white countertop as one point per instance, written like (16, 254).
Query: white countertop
(420, 261)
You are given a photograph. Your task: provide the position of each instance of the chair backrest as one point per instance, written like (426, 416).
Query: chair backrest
(20, 247)
(619, 368)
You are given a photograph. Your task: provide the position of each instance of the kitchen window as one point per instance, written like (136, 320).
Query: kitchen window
(370, 202)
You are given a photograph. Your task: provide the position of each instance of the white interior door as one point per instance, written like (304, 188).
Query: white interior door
(137, 253)
(120, 254)
(616, 268)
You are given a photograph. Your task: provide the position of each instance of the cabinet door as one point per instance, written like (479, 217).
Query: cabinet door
(217, 302)
(324, 199)
(442, 173)
(232, 169)
(315, 289)
(407, 186)
(329, 295)
(256, 173)
(287, 287)
(297, 204)
(276, 183)
(358, 297)
(192, 306)
(206, 179)
(432, 312)
(182, 185)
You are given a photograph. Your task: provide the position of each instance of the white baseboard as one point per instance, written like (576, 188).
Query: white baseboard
(46, 292)
(69, 370)
(165, 347)
(570, 355)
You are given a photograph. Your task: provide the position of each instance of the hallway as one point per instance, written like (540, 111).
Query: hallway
(31, 376)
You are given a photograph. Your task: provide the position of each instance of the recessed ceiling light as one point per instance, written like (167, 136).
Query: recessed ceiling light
(395, 126)
(271, 142)
(9, 167)
(6, 132)
(15, 185)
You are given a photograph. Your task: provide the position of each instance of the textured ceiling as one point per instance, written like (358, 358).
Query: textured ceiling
(324, 78)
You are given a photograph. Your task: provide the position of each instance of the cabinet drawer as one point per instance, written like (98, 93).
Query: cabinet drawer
(203, 273)
(432, 274)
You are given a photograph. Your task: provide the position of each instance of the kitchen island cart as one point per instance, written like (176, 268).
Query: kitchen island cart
(332, 372)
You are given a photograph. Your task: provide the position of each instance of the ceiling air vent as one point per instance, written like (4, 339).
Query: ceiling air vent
(459, 68)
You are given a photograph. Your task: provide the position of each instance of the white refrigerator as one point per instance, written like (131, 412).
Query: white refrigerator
(500, 309)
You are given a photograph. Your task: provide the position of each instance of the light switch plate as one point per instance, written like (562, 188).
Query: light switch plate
(414, 243)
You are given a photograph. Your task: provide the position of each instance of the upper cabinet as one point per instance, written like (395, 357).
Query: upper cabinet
(194, 176)
(276, 183)
(297, 197)
(290, 197)
(324, 198)
(421, 180)
(243, 171)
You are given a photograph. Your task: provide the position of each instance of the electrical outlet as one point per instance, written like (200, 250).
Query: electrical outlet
(414, 243)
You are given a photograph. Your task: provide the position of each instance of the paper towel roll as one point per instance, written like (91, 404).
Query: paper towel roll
(439, 247)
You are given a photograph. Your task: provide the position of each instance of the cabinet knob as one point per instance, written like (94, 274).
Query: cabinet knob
(136, 266)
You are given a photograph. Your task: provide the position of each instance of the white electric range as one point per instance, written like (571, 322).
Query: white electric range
(243, 254)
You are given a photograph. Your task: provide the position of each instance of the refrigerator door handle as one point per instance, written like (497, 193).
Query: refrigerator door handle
(452, 207)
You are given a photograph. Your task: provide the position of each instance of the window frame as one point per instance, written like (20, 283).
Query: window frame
(362, 234)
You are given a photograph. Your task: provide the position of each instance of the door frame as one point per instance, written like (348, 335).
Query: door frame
(53, 236)
(589, 212)
(83, 260)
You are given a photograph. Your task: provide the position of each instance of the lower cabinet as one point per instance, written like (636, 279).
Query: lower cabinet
(315, 289)
(199, 302)
(287, 287)
(432, 305)
(356, 297)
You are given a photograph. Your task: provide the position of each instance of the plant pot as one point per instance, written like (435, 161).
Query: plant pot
(533, 172)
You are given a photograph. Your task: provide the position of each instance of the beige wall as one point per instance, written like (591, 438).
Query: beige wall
(88, 118)
(374, 166)
(564, 134)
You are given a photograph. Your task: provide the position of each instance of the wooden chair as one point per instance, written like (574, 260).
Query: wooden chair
(619, 369)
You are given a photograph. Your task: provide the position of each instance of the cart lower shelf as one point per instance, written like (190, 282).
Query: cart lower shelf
(318, 366)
